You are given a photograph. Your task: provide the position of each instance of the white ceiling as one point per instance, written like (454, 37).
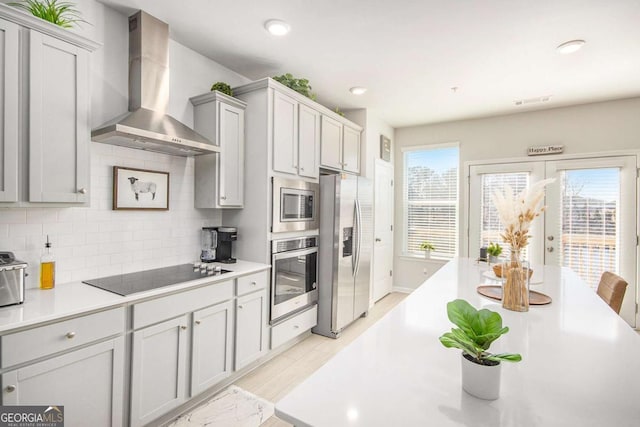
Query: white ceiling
(410, 53)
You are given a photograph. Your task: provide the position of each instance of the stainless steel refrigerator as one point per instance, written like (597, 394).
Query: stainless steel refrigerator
(344, 251)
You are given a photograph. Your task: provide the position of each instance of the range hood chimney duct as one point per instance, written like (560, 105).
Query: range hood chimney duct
(147, 126)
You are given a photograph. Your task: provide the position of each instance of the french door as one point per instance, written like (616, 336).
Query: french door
(590, 224)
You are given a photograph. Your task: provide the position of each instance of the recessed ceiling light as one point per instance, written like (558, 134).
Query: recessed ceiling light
(277, 27)
(358, 90)
(570, 46)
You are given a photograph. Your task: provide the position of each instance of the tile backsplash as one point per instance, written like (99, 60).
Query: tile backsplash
(96, 241)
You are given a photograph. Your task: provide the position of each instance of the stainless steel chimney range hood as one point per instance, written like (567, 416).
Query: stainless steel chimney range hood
(147, 126)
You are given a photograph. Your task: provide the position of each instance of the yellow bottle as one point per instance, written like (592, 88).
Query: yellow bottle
(47, 268)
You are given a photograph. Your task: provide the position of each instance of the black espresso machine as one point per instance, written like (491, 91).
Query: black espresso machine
(216, 244)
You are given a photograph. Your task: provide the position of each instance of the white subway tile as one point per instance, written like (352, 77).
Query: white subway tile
(20, 230)
(13, 216)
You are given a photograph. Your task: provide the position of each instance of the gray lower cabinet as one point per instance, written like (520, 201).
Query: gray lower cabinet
(88, 382)
(251, 318)
(158, 369)
(212, 346)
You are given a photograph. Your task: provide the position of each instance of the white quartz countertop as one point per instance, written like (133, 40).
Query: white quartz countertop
(580, 367)
(75, 298)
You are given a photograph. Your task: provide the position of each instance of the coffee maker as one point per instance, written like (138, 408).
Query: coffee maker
(226, 235)
(216, 244)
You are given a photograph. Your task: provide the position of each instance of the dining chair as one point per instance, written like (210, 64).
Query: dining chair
(611, 289)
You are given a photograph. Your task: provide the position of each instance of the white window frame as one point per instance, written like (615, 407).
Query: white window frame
(405, 195)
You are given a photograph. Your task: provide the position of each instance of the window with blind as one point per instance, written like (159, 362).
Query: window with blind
(431, 200)
(590, 218)
(490, 225)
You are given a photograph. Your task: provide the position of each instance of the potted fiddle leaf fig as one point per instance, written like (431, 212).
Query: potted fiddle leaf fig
(494, 250)
(476, 331)
(427, 247)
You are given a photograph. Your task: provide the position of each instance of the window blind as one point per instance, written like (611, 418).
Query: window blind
(431, 200)
(590, 217)
(490, 225)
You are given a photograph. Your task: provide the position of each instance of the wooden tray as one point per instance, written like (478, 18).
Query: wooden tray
(495, 292)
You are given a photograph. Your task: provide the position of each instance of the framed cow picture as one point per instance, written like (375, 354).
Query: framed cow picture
(140, 189)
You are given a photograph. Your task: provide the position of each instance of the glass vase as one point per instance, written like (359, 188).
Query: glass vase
(515, 283)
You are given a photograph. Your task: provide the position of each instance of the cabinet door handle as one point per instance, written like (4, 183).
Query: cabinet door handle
(70, 335)
(253, 283)
(82, 190)
(296, 327)
(183, 327)
(223, 197)
(302, 169)
(197, 322)
(240, 306)
(10, 388)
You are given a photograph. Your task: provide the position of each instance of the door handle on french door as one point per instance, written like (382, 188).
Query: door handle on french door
(550, 249)
(378, 239)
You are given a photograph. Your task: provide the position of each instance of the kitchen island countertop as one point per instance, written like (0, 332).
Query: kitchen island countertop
(580, 366)
(77, 298)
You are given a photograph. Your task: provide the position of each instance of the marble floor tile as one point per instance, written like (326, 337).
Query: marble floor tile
(233, 407)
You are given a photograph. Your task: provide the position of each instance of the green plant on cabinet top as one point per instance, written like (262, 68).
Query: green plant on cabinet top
(222, 87)
(61, 13)
(299, 85)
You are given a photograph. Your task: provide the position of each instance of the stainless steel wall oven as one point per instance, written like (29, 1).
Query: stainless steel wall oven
(294, 275)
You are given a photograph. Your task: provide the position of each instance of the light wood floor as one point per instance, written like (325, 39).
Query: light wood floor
(276, 378)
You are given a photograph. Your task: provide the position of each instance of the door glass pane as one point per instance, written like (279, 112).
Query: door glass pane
(590, 218)
(490, 226)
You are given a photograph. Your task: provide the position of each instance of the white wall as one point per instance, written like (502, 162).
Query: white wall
(97, 241)
(589, 128)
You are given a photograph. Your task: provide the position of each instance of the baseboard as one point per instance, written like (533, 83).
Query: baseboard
(402, 289)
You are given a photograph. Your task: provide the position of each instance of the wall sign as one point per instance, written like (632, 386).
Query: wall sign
(545, 149)
(385, 148)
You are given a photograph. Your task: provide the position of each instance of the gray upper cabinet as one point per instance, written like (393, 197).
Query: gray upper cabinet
(285, 134)
(351, 150)
(340, 146)
(44, 112)
(58, 121)
(308, 141)
(9, 111)
(331, 151)
(296, 137)
(219, 178)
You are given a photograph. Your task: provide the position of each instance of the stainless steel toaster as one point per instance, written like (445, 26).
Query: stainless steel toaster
(12, 276)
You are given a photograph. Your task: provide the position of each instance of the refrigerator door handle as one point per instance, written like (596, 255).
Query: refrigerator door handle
(354, 244)
(359, 241)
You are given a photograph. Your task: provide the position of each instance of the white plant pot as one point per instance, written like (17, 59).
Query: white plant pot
(480, 380)
(494, 259)
(427, 254)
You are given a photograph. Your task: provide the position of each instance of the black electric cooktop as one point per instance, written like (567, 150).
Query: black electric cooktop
(131, 283)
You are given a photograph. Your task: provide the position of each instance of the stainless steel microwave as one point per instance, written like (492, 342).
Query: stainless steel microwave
(295, 205)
